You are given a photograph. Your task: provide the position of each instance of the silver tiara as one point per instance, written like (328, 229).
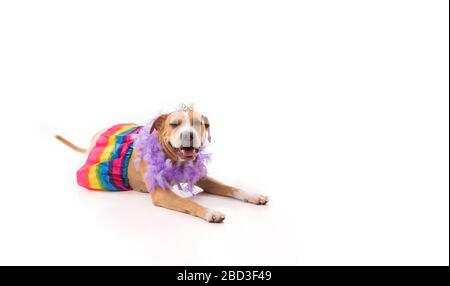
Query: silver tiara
(186, 107)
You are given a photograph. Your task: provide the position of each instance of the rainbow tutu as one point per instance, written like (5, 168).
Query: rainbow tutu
(107, 163)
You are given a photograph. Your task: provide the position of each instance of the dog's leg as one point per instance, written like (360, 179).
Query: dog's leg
(168, 199)
(213, 186)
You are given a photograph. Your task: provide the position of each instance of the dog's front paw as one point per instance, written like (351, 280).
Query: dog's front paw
(253, 198)
(214, 216)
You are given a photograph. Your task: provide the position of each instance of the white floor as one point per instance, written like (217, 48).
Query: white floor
(337, 110)
(56, 222)
(66, 224)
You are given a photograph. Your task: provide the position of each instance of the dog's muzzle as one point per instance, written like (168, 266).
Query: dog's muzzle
(189, 146)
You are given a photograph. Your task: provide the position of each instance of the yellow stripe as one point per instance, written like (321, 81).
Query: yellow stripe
(93, 179)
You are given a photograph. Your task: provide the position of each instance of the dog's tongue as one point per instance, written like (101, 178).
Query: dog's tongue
(188, 152)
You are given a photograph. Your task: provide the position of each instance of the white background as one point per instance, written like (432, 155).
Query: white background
(338, 110)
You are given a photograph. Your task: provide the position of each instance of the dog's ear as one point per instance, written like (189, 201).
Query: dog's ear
(206, 121)
(158, 123)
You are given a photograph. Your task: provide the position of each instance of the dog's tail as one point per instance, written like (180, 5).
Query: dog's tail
(70, 144)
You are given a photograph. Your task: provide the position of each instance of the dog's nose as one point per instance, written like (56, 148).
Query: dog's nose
(187, 139)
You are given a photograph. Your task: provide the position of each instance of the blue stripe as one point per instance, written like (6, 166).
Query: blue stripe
(104, 175)
(115, 155)
(126, 161)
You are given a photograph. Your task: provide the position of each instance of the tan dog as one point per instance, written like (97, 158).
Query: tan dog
(181, 134)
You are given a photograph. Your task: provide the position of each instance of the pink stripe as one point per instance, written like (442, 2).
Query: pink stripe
(102, 143)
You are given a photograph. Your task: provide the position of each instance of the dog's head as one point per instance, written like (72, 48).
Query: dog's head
(182, 133)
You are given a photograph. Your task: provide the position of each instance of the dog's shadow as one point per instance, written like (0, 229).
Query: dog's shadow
(132, 208)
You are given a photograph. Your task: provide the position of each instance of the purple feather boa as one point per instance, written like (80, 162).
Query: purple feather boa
(163, 172)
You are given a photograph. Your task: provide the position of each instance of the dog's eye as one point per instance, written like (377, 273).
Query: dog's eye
(174, 124)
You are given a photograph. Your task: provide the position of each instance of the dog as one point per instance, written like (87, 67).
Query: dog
(154, 158)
